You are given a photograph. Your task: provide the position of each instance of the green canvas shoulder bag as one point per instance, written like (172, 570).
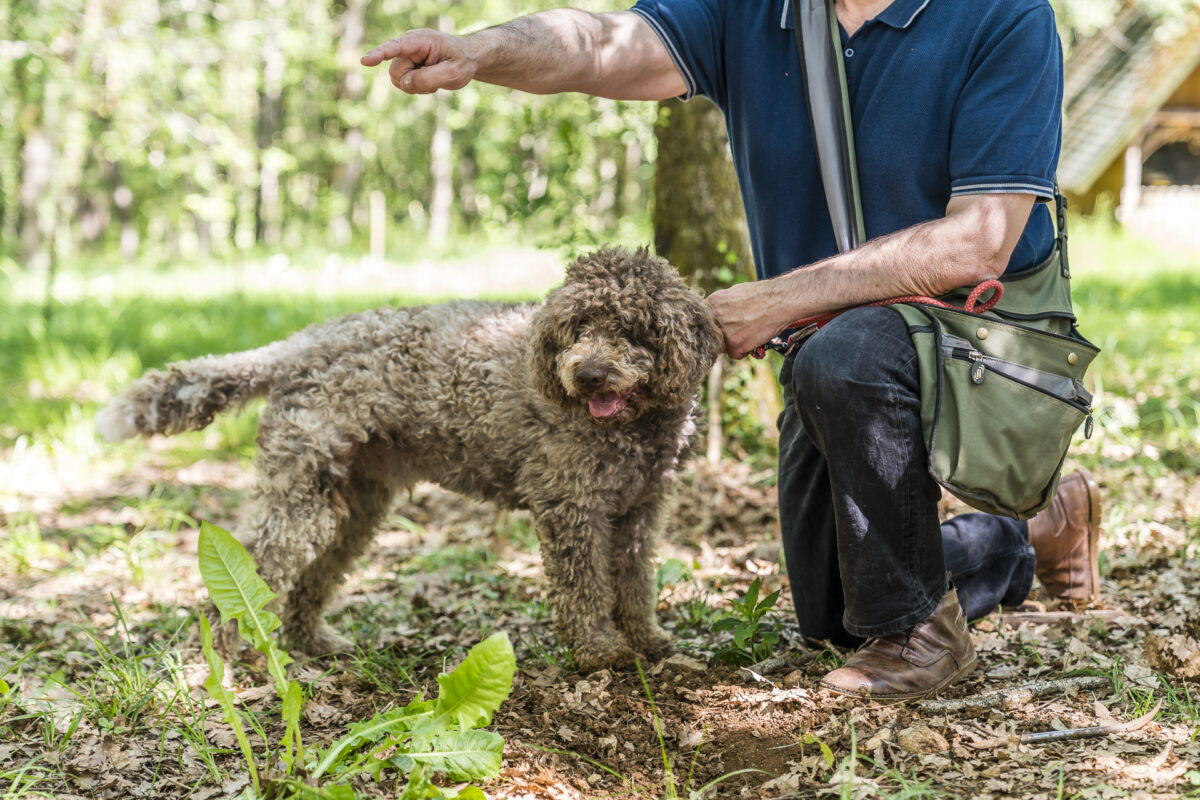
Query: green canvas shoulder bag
(1002, 391)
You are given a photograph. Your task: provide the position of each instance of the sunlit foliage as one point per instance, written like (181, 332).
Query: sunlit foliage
(190, 127)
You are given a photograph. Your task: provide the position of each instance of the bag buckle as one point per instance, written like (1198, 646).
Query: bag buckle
(1060, 203)
(787, 346)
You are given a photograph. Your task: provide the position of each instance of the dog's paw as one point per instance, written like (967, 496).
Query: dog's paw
(594, 656)
(654, 645)
(647, 638)
(321, 641)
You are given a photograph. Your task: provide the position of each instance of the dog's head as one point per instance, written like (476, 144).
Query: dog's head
(622, 335)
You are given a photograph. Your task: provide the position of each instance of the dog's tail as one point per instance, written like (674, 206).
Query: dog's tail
(189, 394)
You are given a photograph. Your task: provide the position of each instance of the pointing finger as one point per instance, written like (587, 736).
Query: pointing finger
(383, 52)
(415, 45)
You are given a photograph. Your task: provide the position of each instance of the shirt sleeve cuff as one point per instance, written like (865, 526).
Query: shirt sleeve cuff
(672, 50)
(1040, 188)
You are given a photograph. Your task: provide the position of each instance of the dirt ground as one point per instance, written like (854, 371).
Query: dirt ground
(447, 572)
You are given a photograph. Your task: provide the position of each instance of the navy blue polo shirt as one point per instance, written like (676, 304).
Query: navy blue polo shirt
(948, 98)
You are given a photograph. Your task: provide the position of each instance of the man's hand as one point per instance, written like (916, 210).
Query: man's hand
(424, 61)
(744, 313)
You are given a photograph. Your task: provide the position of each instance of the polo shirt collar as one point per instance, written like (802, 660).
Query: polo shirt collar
(900, 14)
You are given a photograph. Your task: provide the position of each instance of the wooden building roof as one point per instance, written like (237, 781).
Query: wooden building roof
(1115, 80)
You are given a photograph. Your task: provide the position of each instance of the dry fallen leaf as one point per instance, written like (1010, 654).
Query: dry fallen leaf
(878, 739)
(680, 661)
(1103, 714)
(920, 739)
(317, 713)
(1178, 655)
(1140, 675)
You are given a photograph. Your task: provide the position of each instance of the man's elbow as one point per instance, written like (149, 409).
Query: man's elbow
(992, 235)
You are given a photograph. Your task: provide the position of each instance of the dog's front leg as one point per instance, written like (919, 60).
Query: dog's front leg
(633, 577)
(575, 550)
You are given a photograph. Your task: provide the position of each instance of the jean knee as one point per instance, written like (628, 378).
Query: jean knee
(862, 346)
(816, 377)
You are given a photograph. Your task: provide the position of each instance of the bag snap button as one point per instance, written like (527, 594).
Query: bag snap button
(982, 333)
(1072, 359)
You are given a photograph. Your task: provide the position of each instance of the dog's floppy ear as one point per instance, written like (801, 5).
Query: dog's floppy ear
(690, 342)
(550, 334)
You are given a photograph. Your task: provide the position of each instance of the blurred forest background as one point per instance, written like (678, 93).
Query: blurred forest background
(178, 129)
(185, 128)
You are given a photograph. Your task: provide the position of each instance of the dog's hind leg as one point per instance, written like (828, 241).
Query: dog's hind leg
(574, 543)
(633, 578)
(368, 501)
(298, 506)
(290, 529)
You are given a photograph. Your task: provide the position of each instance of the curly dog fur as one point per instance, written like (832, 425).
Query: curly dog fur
(577, 409)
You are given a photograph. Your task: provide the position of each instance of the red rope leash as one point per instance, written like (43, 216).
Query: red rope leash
(809, 325)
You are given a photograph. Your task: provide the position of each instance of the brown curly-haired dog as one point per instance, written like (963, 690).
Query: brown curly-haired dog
(577, 408)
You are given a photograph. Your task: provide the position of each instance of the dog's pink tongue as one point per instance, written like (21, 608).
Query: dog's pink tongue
(607, 404)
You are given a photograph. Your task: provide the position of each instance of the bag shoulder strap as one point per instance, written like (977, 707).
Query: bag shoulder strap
(819, 44)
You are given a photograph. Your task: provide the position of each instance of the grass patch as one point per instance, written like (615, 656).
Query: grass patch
(1139, 303)
(63, 354)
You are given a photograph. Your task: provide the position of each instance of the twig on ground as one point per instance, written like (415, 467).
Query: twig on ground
(1016, 696)
(778, 663)
(1043, 737)
(1053, 617)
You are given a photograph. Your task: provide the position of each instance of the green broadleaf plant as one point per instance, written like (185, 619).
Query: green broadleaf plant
(470, 694)
(463, 755)
(753, 638)
(231, 577)
(437, 735)
(423, 738)
(392, 723)
(214, 685)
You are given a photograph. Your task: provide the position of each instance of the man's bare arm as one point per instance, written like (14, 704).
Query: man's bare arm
(972, 243)
(614, 55)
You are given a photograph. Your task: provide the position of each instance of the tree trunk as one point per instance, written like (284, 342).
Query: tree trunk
(123, 200)
(74, 137)
(699, 225)
(440, 166)
(629, 195)
(441, 169)
(268, 211)
(349, 177)
(37, 164)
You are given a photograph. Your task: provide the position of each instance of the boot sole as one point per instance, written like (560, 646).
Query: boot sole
(955, 678)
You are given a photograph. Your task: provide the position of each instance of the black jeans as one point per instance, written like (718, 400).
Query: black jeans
(865, 553)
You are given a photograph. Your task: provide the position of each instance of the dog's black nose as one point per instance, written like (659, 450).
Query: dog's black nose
(592, 377)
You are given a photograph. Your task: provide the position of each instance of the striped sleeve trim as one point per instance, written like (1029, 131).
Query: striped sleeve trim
(672, 51)
(1003, 184)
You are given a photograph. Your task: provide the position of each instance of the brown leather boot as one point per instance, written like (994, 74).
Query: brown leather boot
(903, 666)
(1066, 540)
